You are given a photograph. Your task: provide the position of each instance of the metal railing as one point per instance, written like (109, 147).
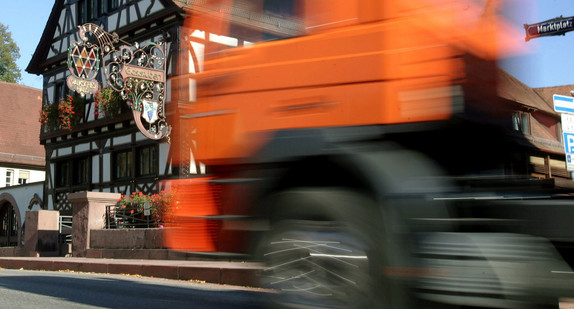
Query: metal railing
(130, 216)
(65, 229)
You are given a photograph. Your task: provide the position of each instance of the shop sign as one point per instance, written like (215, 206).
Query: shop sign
(83, 64)
(142, 73)
(137, 72)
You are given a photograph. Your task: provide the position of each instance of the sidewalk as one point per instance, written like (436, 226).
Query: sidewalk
(220, 272)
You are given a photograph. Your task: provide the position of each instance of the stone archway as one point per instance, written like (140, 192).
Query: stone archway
(10, 222)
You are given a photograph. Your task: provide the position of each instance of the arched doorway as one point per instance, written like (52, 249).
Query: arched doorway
(8, 226)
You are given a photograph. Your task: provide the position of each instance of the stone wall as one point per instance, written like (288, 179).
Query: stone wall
(127, 239)
(11, 251)
(42, 233)
(89, 212)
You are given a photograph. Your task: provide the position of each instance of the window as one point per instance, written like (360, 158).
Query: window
(112, 5)
(521, 122)
(9, 176)
(89, 10)
(73, 172)
(59, 93)
(123, 164)
(23, 177)
(82, 171)
(81, 6)
(147, 160)
(94, 9)
(63, 170)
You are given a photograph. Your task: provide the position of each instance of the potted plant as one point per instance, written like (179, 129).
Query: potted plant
(132, 208)
(64, 115)
(66, 112)
(108, 103)
(49, 117)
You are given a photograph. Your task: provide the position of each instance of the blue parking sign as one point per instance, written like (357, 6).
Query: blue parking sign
(569, 142)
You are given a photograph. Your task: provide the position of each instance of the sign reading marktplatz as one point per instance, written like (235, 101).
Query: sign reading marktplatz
(137, 72)
(555, 26)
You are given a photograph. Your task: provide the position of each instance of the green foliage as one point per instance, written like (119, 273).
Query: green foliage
(9, 53)
(64, 115)
(49, 116)
(159, 205)
(66, 112)
(108, 103)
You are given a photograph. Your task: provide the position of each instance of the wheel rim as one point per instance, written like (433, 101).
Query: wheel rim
(317, 264)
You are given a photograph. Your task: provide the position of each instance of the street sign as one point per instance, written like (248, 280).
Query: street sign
(147, 209)
(567, 123)
(563, 104)
(555, 26)
(568, 135)
(569, 142)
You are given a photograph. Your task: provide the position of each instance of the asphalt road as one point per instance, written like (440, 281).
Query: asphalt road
(41, 289)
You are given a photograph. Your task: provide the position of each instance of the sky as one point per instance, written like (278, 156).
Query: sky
(26, 21)
(544, 62)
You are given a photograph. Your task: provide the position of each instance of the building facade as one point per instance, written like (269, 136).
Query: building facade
(102, 150)
(22, 160)
(534, 118)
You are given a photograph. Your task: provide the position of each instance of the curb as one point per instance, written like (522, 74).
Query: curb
(229, 273)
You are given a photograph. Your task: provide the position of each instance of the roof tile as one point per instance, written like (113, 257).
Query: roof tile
(19, 128)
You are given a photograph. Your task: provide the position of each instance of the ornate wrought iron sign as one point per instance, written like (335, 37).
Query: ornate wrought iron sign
(136, 72)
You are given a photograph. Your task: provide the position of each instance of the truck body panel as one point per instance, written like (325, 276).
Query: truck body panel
(354, 122)
(392, 69)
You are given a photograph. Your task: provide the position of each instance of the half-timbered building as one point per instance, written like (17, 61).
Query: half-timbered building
(101, 150)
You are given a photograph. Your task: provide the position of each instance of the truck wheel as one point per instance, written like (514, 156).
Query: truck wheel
(324, 250)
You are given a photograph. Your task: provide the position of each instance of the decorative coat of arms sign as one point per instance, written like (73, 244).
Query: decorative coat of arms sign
(136, 72)
(83, 63)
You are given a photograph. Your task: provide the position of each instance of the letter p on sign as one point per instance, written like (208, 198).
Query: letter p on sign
(569, 142)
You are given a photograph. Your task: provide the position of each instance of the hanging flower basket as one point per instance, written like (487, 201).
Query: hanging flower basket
(64, 115)
(66, 112)
(49, 117)
(108, 103)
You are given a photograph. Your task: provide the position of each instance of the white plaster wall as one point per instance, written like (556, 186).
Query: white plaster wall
(35, 176)
(23, 195)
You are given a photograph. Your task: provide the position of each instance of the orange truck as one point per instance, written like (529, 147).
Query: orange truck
(335, 135)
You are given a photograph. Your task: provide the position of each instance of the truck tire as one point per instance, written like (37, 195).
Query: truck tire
(325, 250)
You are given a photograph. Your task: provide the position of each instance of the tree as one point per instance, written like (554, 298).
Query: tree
(9, 53)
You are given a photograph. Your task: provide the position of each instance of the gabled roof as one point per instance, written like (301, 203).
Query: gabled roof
(43, 47)
(512, 89)
(19, 129)
(547, 93)
(538, 101)
(40, 55)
